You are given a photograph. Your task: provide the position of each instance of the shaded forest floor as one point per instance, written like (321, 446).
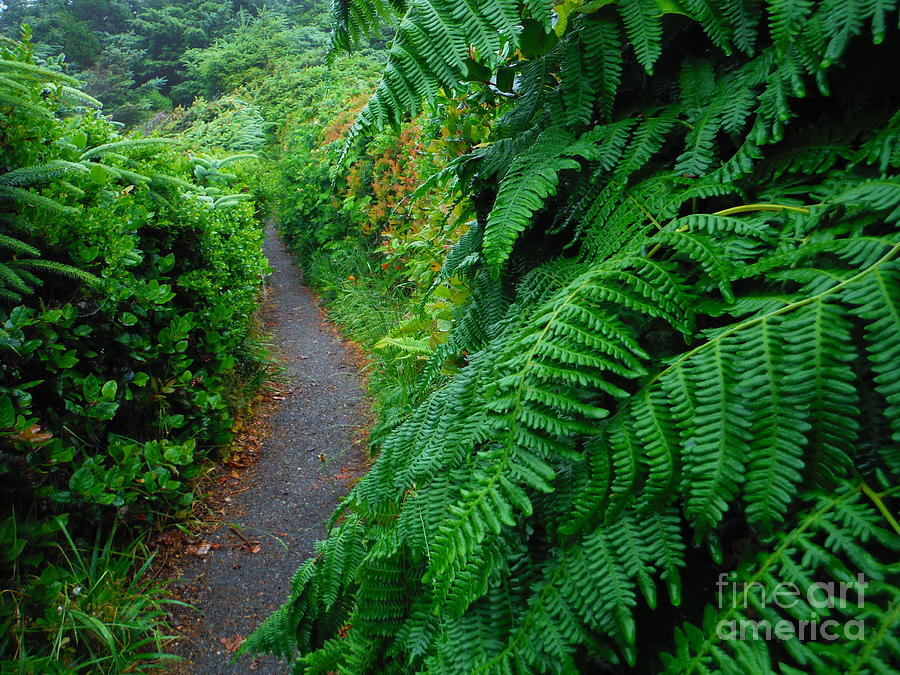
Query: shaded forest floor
(267, 515)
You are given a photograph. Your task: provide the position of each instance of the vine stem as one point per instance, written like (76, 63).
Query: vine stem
(877, 500)
(743, 208)
(746, 208)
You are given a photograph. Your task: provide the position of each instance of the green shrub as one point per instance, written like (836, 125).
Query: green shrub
(127, 287)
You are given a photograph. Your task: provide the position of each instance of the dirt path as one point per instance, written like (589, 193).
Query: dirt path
(292, 487)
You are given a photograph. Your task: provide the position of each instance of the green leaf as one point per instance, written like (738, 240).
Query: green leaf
(99, 175)
(83, 479)
(79, 139)
(109, 390)
(7, 412)
(105, 410)
(534, 41)
(180, 454)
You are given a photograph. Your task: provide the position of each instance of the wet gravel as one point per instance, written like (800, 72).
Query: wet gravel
(293, 487)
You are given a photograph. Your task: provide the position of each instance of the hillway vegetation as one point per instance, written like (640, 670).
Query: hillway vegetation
(627, 272)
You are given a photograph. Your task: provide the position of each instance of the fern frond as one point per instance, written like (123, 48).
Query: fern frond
(644, 29)
(29, 175)
(35, 200)
(35, 73)
(17, 245)
(749, 608)
(126, 145)
(528, 182)
(603, 60)
(877, 297)
(62, 270)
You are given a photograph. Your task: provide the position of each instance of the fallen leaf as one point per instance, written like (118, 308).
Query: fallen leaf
(235, 475)
(232, 644)
(199, 549)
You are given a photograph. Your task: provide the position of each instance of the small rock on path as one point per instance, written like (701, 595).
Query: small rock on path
(293, 489)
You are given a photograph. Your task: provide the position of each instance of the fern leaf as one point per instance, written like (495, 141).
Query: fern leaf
(877, 297)
(642, 24)
(655, 430)
(576, 90)
(529, 181)
(602, 40)
(30, 175)
(819, 349)
(129, 144)
(17, 245)
(775, 453)
(716, 449)
(35, 200)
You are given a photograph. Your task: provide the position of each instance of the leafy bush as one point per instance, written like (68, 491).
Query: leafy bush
(678, 351)
(127, 288)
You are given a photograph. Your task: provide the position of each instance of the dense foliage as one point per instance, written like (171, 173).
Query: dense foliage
(673, 359)
(128, 276)
(135, 55)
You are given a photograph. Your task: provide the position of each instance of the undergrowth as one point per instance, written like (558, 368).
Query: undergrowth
(129, 272)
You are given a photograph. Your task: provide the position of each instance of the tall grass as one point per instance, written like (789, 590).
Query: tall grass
(93, 609)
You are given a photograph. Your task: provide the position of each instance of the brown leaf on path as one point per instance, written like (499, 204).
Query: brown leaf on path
(199, 549)
(232, 644)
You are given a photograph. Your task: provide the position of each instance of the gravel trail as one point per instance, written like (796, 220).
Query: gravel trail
(293, 487)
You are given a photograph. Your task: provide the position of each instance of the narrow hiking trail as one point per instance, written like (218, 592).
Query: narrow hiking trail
(283, 501)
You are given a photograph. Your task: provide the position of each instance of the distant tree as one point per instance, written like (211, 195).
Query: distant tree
(112, 80)
(108, 16)
(168, 29)
(58, 27)
(250, 52)
(165, 29)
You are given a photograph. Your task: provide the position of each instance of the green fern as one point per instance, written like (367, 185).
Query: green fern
(679, 349)
(822, 543)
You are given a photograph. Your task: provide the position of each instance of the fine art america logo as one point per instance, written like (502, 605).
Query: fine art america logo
(817, 601)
